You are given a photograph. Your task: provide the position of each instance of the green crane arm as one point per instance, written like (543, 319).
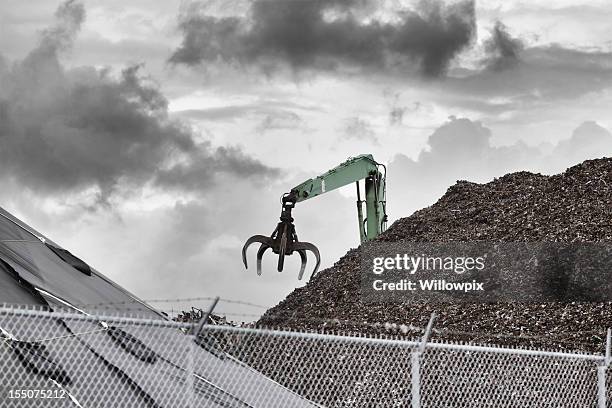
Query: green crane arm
(284, 241)
(362, 167)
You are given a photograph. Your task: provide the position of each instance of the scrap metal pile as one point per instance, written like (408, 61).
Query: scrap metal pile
(575, 206)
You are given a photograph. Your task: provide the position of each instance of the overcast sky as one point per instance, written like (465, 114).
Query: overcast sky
(152, 138)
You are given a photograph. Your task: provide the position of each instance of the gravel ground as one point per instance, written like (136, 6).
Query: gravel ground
(575, 206)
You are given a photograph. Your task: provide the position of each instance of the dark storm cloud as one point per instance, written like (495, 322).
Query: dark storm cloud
(195, 172)
(68, 19)
(544, 74)
(329, 35)
(559, 72)
(502, 50)
(70, 130)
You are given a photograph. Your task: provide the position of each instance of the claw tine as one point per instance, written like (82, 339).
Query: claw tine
(310, 247)
(282, 250)
(260, 253)
(304, 259)
(315, 250)
(262, 239)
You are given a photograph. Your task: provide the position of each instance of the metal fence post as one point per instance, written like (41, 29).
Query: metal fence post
(195, 339)
(189, 370)
(197, 331)
(601, 374)
(415, 365)
(415, 389)
(601, 386)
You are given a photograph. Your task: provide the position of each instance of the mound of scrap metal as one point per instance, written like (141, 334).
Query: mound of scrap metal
(575, 206)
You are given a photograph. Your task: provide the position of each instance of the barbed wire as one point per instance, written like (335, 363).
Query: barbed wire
(406, 329)
(174, 300)
(291, 319)
(293, 322)
(197, 299)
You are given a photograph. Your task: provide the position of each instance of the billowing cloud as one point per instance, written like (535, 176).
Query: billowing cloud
(329, 35)
(64, 130)
(588, 141)
(461, 149)
(511, 77)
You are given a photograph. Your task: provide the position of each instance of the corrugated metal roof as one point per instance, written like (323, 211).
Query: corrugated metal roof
(125, 366)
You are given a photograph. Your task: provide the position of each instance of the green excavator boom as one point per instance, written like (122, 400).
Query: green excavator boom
(362, 167)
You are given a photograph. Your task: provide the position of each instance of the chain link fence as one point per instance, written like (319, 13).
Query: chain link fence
(52, 359)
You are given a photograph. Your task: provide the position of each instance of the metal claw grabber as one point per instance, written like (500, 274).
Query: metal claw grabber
(283, 241)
